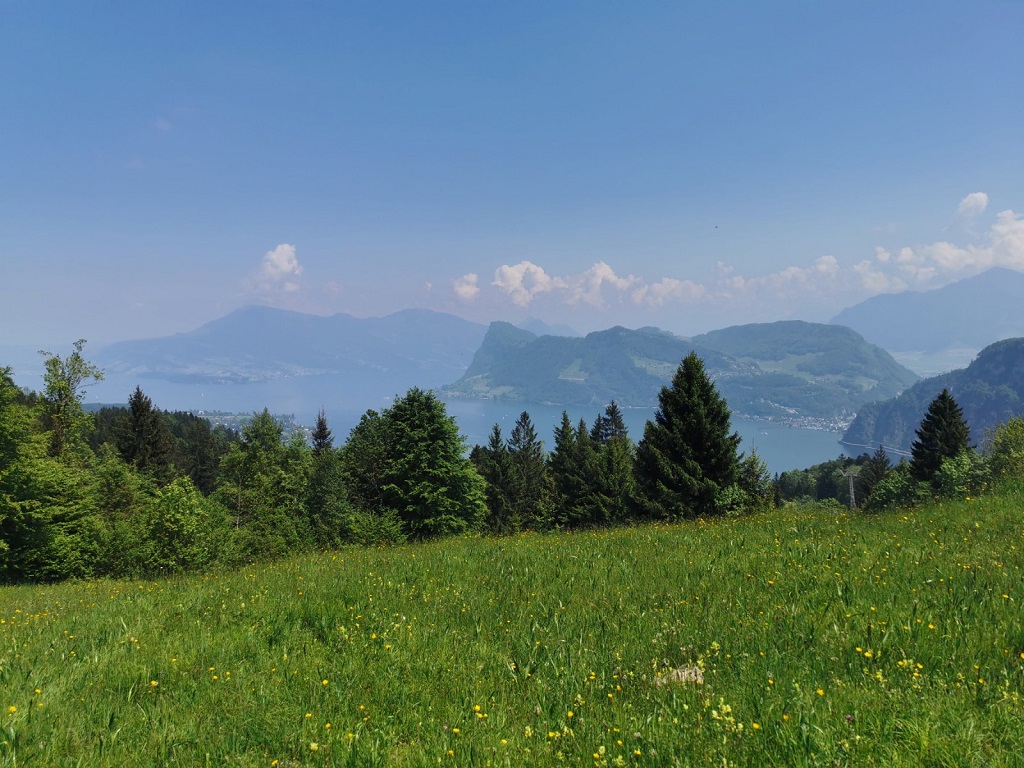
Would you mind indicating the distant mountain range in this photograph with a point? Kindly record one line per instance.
(258, 344)
(990, 391)
(788, 371)
(970, 313)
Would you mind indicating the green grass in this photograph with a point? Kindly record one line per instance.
(824, 639)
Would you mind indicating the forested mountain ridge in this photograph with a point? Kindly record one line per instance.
(788, 371)
(990, 391)
(970, 313)
(258, 343)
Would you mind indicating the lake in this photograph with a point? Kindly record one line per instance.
(782, 448)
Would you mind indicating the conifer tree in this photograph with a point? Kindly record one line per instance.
(943, 434)
(573, 469)
(687, 455)
(144, 439)
(323, 440)
(410, 461)
(492, 462)
(529, 482)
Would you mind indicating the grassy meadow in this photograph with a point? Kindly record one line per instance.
(821, 637)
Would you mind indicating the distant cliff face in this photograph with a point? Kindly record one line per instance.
(990, 391)
(789, 371)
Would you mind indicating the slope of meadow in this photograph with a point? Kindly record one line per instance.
(823, 638)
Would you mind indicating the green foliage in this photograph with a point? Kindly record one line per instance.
(755, 481)
(144, 439)
(687, 455)
(1005, 450)
(182, 529)
(530, 491)
(327, 506)
(262, 487)
(323, 439)
(66, 378)
(492, 463)
(943, 434)
(964, 475)
(573, 468)
(383, 527)
(410, 460)
(897, 489)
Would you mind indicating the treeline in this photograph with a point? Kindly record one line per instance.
(944, 463)
(133, 491)
(138, 491)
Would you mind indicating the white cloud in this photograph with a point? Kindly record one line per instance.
(278, 273)
(595, 287)
(669, 289)
(467, 287)
(821, 287)
(586, 288)
(973, 205)
(523, 281)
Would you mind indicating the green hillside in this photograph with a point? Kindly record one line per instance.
(819, 638)
(785, 371)
(990, 391)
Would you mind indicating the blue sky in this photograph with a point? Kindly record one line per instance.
(685, 165)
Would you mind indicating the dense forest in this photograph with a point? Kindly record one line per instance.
(135, 490)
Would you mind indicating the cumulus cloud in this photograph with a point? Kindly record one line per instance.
(587, 288)
(668, 289)
(467, 287)
(523, 281)
(972, 205)
(279, 272)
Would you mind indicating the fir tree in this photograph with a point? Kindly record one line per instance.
(410, 461)
(529, 482)
(687, 455)
(323, 440)
(492, 462)
(144, 439)
(573, 470)
(943, 434)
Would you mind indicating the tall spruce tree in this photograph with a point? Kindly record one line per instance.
(688, 453)
(492, 462)
(529, 482)
(943, 434)
(144, 439)
(322, 438)
(573, 469)
(327, 507)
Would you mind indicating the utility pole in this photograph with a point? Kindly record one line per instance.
(850, 473)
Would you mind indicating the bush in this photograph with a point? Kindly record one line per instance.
(965, 474)
(896, 489)
(373, 529)
(1006, 450)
